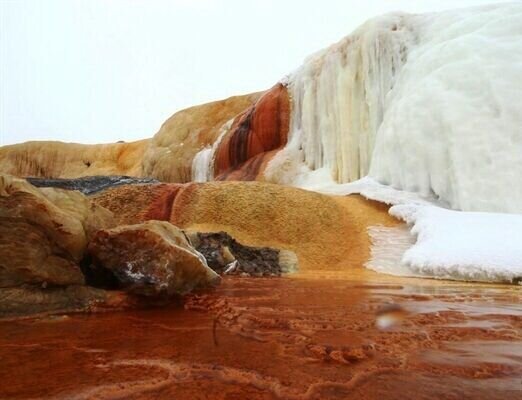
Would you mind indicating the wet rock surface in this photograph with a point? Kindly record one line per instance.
(151, 259)
(33, 300)
(227, 256)
(89, 184)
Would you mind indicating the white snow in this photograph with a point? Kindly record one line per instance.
(473, 246)
(427, 109)
(424, 103)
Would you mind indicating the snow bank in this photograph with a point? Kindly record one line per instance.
(473, 246)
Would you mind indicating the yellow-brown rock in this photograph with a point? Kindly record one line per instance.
(44, 233)
(251, 129)
(324, 231)
(171, 151)
(72, 160)
(153, 258)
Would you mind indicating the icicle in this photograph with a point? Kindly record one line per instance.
(338, 99)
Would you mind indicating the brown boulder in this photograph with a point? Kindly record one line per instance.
(44, 233)
(153, 258)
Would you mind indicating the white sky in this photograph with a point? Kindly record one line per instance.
(106, 70)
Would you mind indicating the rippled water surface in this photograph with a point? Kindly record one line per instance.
(310, 337)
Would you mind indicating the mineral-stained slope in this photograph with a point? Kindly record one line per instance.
(170, 154)
(428, 104)
(325, 232)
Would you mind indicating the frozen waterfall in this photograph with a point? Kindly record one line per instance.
(426, 109)
(424, 103)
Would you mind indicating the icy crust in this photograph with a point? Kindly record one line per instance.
(423, 103)
(472, 246)
(453, 121)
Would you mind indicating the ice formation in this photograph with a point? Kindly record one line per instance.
(203, 161)
(424, 103)
(201, 165)
(474, 246)
(426, 109)
(418, 110)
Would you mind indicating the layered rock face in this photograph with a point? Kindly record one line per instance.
(152, 259)
(243, 151)
(231, 139)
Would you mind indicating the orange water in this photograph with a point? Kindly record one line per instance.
(310, 337)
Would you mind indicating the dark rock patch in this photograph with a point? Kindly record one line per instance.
(89, 184)
(228, 257)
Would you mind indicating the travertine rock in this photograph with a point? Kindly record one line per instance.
(72, 160)
(44, 233)
(171, 151)
(253, 137)
(246, 131)
(324, 231)
(153, 258)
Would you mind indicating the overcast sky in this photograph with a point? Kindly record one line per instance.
(106, 70)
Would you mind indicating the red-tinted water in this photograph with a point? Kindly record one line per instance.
(299, 338)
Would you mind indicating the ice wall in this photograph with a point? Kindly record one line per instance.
(424, 103)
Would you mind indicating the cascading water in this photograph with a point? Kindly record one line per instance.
(201, 165)
(203, 161)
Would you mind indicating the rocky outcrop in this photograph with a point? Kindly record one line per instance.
(171, 151)
(227, 256)
(244, 131)
(152, 259)
(44, 233)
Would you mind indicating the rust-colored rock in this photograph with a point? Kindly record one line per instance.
(171, 151)
(153, 258)
(250, 129)
(256, 132)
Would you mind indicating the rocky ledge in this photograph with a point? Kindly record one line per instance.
(62, 252)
